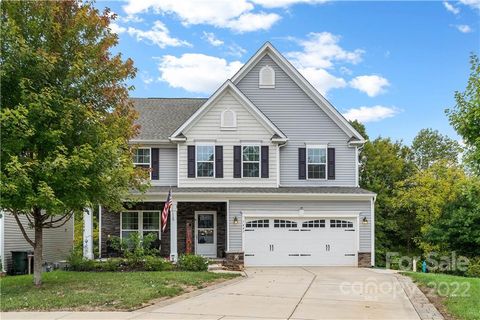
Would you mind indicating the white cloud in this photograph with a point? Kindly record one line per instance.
(196, 72)
(116, 28)
(451, 8)
(322, 80)
(253, 21)
(235, 50)
(463, 28)
(212, 39)
(370, 114)
(372, 85)
(146, 78)
(475, 4)
(320, 50)
(284, 3)
(233, 14)
(158, 35)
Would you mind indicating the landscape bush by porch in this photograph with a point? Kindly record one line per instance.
(147, 263)
(189, 262)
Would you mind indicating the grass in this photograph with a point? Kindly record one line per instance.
(459, 295)
(68, 290)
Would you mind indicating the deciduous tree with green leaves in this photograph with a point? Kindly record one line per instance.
(465, 116)
(430, 146)
(66, 118)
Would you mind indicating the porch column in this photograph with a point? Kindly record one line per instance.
(173, 232)
(88, 233)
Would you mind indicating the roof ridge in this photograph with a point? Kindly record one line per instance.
(171, 98)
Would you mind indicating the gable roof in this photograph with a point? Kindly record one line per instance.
(303, 83)
(159, 117)
(228, 85)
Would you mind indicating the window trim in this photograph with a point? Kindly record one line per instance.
(142, 164)
(222, 120)
(261, 77)
(213, 162)
(140, 223)
(259, 159)
(319, 146)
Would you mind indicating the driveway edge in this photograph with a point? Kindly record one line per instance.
(425, 309)
(159, 303)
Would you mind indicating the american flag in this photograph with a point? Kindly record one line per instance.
(166, 210)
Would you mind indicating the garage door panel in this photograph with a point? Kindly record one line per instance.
(300, 241)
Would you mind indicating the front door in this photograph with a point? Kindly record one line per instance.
(206, 233)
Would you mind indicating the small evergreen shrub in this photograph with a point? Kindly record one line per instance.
(157, 264)
(192, 263)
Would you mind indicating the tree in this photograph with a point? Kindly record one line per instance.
(425, 195)
(360, 127)
(459, 228)
(66, 117)
(465, 116)
(429, 146)
(384, 163)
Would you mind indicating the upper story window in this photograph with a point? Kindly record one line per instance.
(267, 77)
(205, 161)
(317, 162)
(141, 158)
(251, 161)
(228, 119)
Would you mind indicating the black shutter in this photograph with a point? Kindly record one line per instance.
(237, 161)
(264, 155)
(218, 162)
(191, 161)
(302, 163)
(331, 163)
(155, 164)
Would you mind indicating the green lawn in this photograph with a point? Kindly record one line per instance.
(64, 290)
(461, 296)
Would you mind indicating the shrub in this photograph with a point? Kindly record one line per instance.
(110, 265)
(157, 264)
(474, 268)
(192, 263)
(76, 262)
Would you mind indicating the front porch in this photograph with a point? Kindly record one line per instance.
(193, 227)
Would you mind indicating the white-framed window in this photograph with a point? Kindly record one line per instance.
(228, 119)
(341, 224)
(142, 158)
(264, 223)
(205, 160)
(142, 222)
(314, 224)
(316, 162)
(266, 77)
(251, 161)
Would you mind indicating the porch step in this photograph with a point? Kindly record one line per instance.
(216, 261)
(215, 266)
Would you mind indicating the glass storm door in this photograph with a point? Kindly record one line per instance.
(206, 233)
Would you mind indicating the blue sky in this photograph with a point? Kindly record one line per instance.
(395, 65)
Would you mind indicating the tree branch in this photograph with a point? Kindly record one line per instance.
(22, 228)
(67, 217)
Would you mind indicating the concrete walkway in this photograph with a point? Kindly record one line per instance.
(279, 293)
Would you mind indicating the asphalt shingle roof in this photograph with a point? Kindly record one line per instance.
(160, 117)
(281, 190)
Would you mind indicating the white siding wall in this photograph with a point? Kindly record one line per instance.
(302, 121)
(271, 207)
(168, 167)
(57, 242)
(207, 129)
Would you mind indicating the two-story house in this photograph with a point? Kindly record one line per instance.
(265, 170)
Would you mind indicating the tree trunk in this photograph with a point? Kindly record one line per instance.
(37, 256)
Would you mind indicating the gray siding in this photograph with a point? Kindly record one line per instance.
(57, 242)
(168, 167)
(236, 207)
(300, 118)
(207, 130)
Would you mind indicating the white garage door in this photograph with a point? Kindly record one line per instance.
(300, 241)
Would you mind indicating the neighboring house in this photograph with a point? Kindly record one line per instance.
(266, 169)
(57, 242)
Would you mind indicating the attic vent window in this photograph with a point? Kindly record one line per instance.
(228, 120)
(267, 77)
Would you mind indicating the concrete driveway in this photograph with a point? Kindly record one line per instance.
(298, 293)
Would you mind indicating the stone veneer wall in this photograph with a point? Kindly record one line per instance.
(364, 259)
(185, 213)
